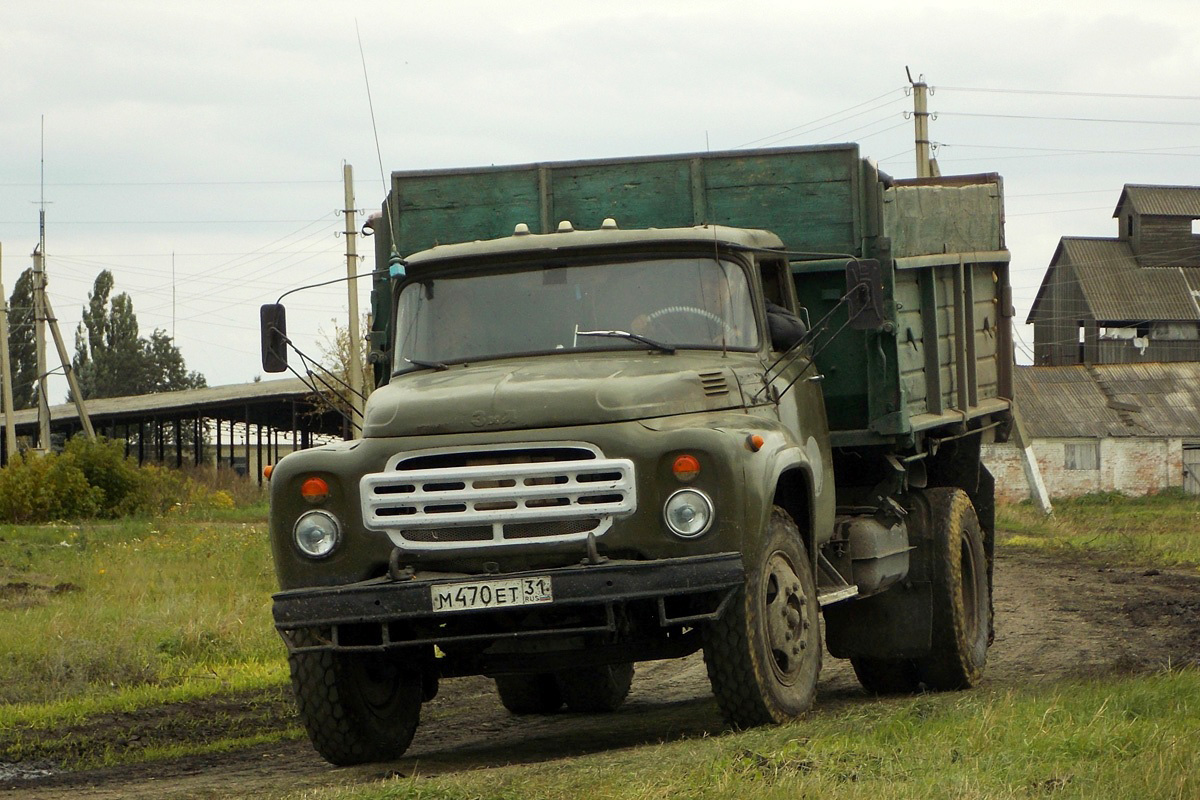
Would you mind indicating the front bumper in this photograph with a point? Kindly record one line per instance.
(384, 614)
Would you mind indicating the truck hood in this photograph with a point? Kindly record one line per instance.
(554, 391)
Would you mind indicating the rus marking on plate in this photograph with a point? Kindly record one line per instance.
(500, 593)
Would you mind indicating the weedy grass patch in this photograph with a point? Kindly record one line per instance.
(1156, 530)
(1129, 737)
(95, 610)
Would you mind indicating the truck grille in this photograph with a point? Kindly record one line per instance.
(504, 496)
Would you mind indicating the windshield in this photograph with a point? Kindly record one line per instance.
(677, 302)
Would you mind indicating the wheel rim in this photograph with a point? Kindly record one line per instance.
(379, 688)
(786, 612)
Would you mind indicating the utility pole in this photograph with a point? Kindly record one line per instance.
(6, 395)
(357, 393)
(926, 165)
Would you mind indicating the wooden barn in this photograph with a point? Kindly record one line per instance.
(1131, 299)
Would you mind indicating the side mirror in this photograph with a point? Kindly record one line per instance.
(864, 291)
(272, 319)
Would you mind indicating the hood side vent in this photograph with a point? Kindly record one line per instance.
(714, 384)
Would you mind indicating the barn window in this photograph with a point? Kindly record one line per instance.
(1081, 455)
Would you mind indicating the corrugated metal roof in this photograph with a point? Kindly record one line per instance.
(1157, 399)
(167, 404)
(1064, 402)
(1116, 288)
(1167, 201)
(1168, 394)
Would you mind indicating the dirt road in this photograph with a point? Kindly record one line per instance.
(1053, 620)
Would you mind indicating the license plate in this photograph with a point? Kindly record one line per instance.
(498, 593)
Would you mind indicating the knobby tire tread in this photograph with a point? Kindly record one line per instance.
(334, 726)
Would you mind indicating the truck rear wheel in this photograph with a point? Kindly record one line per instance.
(764, 653)
(885, 675)
(356, 707)
(529, 694)
(961, 594)
(596, 689)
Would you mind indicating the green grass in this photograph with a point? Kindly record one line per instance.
(1158, 530)
(96, 610)
(100, 618)
(1133, 737)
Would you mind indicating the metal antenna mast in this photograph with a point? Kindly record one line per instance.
(44, 314)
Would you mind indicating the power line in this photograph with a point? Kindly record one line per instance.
(1115, 95)
(161, 221)
(170, 183)
(1080, 150)
(820, 119)
(1068, 119)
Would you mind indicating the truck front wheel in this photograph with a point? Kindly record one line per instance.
(356, 707)
(764, 653)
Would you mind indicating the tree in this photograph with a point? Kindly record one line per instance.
(335, 368)
(22, 349)
(112, 360)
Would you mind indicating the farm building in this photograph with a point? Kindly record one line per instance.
(1132, 428)
(1130, 299)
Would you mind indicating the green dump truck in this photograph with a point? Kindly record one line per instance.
(631, 409)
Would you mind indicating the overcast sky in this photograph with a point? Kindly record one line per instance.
(196, 149)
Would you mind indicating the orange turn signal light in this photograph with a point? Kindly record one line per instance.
(267, 470)
(314, 490)
(755, 442)
(686, 468)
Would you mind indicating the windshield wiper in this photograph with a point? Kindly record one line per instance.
(633, 337)
(436, 365)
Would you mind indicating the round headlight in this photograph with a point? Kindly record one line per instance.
(317, 533)
(688, 513)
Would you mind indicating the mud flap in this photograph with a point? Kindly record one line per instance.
(895, 624)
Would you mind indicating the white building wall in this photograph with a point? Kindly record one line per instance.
(1135, 466)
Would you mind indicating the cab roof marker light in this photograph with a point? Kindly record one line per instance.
(522, 229)
(566, 227)
(609, 224)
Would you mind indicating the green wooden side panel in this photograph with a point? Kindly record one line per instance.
(462, 207)
(807, 195)
(808, 199)
(646, 195)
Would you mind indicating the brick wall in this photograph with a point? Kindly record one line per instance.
(1131, 465)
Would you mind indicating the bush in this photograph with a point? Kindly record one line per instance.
(40, 488)
(104, 463)
(95, 479)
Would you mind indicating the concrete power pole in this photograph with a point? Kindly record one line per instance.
(926, 165)
(357, 393)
